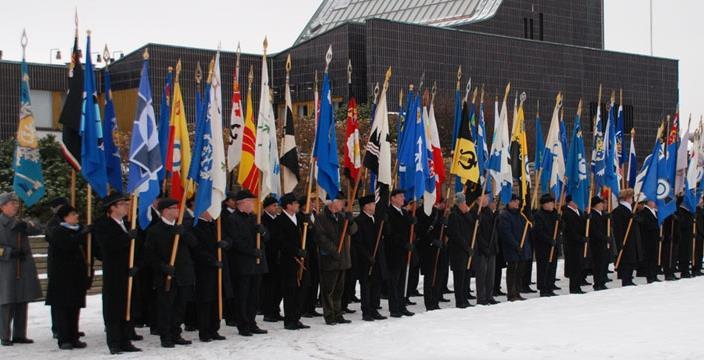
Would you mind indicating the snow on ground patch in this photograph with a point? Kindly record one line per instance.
(657, 321)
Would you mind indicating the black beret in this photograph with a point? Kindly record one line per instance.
(230, 195)
(364, 200)
(244, 194)
(568, 198)
(166, 203)
(64, 211)
(397, 191)
(269, 200)
(546, 198)
(287, 199)
(515, 197)
(596, 200)
(58, 202)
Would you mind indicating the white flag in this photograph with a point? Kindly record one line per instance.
(266, 154)
(219, 169)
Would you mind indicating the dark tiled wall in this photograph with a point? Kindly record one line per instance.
(540, 69)
(566, 22)
(41, 77)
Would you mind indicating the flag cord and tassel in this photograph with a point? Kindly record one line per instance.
(130, 261)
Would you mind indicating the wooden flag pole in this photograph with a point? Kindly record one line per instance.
(473, 242)
(442, 234)
(259, 217)
(557, 222)
(409, 254)
(623, 148)
(130, 264)
(177, 237)
(73, 187)
(589, 218)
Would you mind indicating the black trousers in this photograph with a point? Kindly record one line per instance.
(247, 301)
(271, 292)
(207, 319)
(544, 277)
(293, 303)
(485, 271)
(311, 292)
(350, 287)
(171, 310)
(413, 279)
(526, 273)
(600, 263)
(432, 293)
(370, 287)
(396, 283)
(65, 318)
(684, 256)
(669, 257)
(698, 253)
(513, 279)
(14, 314)
(460, 278)
(332, 285)
(625, 272)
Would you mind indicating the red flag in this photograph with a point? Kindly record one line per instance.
(353, 159)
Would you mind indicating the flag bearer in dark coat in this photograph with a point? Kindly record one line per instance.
(333, 264)
(699, 245)
(112, 236)
(271, 281)
(229, 205)
(685, 220)
(206, 270)
(364, 242)
(650, 237)
(311, 296)
(511, 225)
(287, 231)
(68, 282)
(171, 303)
(396, 241)
(55, 204)
(631, 251)
(487, 246)
(598, 241)
(542, 233)
(248, 262)
(668, 254)
(15, 293)
(460, 226)
(574, 230)
(429, 244)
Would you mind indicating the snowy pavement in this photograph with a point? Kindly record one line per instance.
(657, 321)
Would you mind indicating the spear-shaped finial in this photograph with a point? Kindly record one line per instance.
(24, 40)
(376, 91)
(178, 70)
(106, 55)
(579, 108)
(328, 58)
(387, 78)
(145, 55)
(250, 78)
(288, 64)
(75, 20)
(522, 98)
(199, 73)
(459, 76)
(349, 71)
(434, 91)
(265, 44)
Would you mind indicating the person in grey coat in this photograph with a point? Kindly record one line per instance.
(19, 283)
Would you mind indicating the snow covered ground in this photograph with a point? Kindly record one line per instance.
(658, 321)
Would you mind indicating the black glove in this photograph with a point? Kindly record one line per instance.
(18, 254)
(132, 233)
(20, 227)
(336, 255)
(301, 252)
(443, 221)
(408, 246)
(258, 253)
(385, 218)
(179, 230)
(584, 239)
(224, 244)
(261, 229)
(348, 216)
(371, 260)
(414, 220)
(168, 269)
(437, 243)
(133, 271)
(217, 264)
(306, 218)
(86, 229)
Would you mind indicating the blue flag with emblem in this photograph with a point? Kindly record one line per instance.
(145, 157)
(165, 120)
(482, 147)
(632, 164)
(539, 145)
(112, 153)
(201, 165)
(646, 184)
(665, 190)
(326, 144)
(620, 137)
(598, 153)
(413, 156)
(93, 166)
(576, 171)
(611, 165)
(28, 181)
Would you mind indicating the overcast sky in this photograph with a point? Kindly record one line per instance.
(127, 24)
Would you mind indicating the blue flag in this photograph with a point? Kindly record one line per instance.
(456, 132)
(646, 185)
(482, 147)
(413, 157)
(165, 121)
(576, 171)
(632, 164)
(93, 166)
(372, 175)
(28, 181)
(666, 201)
(202, 162)
(145, 158)
(598, 153)
(611, 165)
(620, 137)
(326, 144)
(112, 158)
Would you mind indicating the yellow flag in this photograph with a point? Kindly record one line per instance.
(179, 153)
(248, 175)
(465, 162)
